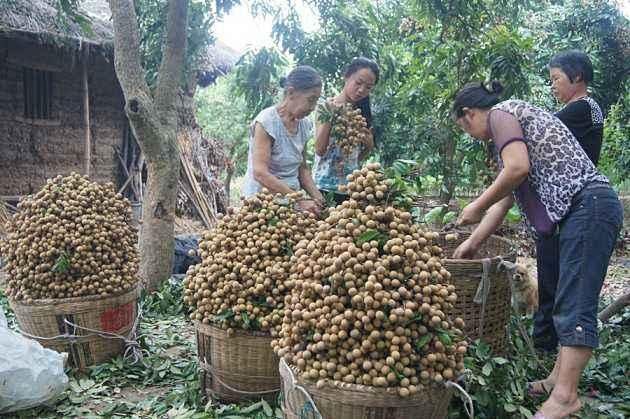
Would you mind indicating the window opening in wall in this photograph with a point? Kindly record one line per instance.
(37, 93)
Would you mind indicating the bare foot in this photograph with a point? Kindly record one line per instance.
(560, 407)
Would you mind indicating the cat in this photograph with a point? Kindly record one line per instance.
(524, 290)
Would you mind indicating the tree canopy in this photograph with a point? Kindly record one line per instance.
(428, 49)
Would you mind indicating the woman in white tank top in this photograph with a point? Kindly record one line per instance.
(277, 141)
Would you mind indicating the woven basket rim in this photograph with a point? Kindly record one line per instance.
(507, 242)
(212, 329)
(494, 259)
(59, 301)
(388, 392)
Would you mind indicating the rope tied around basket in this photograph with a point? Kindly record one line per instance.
(133, 353)
(290, 386)
(214, 375)
(483, 290)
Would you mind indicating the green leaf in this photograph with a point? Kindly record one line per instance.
(500, 361)
(266, 408)
(399, 376)
(424, 339)
(367, 236)
(287, 249)
(513, 215)
(273, 221)
(246, 322)
(487, 369)
(74, 386)
(434, 216)
(86, 383)
(449, 217)
(224, 315)
(509, 407)
(414, 319)
(525, 411)
(62, 264)
(252, 407)
(444, 337)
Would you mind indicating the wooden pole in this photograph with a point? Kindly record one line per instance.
(617, 306)
(86, 111)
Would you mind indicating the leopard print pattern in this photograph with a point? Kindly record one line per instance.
(559, 167)
(597, 117)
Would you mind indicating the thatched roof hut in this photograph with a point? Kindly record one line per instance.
(61, 106)
(40, 20)
(217, 61)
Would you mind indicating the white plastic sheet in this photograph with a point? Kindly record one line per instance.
(30, 374)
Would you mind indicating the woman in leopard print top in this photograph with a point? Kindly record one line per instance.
(559, 190)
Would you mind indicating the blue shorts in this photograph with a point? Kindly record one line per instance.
(587, 236)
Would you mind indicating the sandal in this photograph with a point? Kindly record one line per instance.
(532, 391)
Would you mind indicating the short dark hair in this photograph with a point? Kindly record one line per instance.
(355, 65)
(574, 64)
(302, 77)
(476, 95)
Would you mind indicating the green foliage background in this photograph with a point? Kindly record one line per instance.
(428, 49)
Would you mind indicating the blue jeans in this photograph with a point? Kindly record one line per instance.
(584, 243)
(548, 266)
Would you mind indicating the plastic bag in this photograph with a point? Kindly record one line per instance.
(30, 374)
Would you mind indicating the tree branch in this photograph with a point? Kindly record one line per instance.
(169, 76)
(126, 49)
(615, 307)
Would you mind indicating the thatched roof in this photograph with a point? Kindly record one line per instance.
(217, 61)
(41, 19)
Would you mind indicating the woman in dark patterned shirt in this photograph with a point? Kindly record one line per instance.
(570, 73)
(558, 188)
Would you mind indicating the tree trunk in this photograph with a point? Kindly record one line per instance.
(158, 218)
(153, 119)
(448, 169)
(228, 181)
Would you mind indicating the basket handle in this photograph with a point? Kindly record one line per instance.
(290, 385)
(468, 403)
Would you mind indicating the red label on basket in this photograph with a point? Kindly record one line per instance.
(116, 318)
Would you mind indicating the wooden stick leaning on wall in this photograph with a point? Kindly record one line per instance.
(194, 192)
(4, 217)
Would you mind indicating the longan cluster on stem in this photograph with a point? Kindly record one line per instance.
(371, 299)
(73, 238)
(243, 276)
(350, 128)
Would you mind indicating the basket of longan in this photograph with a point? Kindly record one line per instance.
(368, 329)
(237, 294)
(71, 263)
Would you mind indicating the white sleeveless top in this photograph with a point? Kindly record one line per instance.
(286, 150)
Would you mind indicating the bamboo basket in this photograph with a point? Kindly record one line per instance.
(302, 399)
(239, 367)
(488, 321)
(47, 320)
